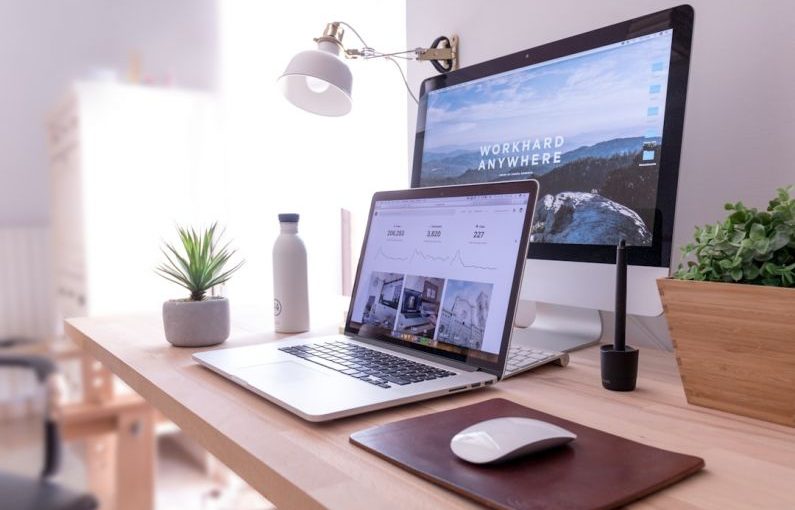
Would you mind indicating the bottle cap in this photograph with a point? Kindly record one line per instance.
(288, 218)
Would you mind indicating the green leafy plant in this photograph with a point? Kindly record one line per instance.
(200, 265)
(750, 246)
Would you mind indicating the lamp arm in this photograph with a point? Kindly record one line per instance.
(443, 58)
(435, 53)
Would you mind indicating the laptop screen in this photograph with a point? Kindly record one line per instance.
(441, 273)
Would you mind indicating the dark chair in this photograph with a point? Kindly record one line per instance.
(25, 493)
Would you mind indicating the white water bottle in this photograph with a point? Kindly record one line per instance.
(290, 286)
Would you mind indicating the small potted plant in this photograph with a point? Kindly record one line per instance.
(731, 312)
(199, 320)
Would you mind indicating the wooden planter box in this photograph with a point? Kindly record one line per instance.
(735, 346)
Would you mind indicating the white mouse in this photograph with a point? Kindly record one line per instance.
(503, 439)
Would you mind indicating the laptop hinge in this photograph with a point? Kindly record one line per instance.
(419, 354)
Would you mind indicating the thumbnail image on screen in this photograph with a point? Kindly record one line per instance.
(587, 126)
(464, 313)
(382, 300)
(419, 309)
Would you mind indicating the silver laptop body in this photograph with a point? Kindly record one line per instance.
(431, 310)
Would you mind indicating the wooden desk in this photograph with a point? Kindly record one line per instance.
(296, 464)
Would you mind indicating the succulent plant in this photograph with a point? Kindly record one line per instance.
(200, 264)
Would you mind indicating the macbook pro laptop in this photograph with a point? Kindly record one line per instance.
(431, 310)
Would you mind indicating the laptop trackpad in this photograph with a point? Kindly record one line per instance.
(282, 371)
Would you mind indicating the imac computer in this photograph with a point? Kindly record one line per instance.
(597, 119)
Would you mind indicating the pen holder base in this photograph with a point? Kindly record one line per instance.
(619, 368)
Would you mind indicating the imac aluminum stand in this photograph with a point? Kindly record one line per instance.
(556, 327)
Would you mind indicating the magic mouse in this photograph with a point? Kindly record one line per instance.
(502, 439)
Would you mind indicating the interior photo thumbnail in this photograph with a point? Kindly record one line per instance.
(382, 303)
(419, 310)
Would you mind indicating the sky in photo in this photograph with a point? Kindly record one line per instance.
(587, 99)
(468, 291)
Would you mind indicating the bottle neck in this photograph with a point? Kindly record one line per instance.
(289, 227)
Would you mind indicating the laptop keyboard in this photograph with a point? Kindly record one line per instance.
(368, 365)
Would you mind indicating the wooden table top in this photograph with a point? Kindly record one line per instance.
(297, 464)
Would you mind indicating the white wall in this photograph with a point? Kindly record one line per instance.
(46, 44)
(740, 114)
(283, 159)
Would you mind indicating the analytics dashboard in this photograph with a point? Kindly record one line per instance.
(439, 271)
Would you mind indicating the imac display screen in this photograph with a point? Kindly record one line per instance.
(595, 118)
(587, 126)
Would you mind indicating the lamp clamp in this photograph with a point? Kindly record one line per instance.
(443, 53)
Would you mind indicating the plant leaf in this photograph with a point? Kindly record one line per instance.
(748, 246)
(199, 265)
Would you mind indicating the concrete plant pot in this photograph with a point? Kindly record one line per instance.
(196, 323)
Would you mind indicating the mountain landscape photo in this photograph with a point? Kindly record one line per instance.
(610, 174)
(588, 128)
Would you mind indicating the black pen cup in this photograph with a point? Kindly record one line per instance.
(619, 368)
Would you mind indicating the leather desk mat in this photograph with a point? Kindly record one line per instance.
(597, 470)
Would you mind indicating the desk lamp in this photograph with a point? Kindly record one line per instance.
(318, 81)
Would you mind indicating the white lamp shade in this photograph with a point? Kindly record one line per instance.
(318, 82)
